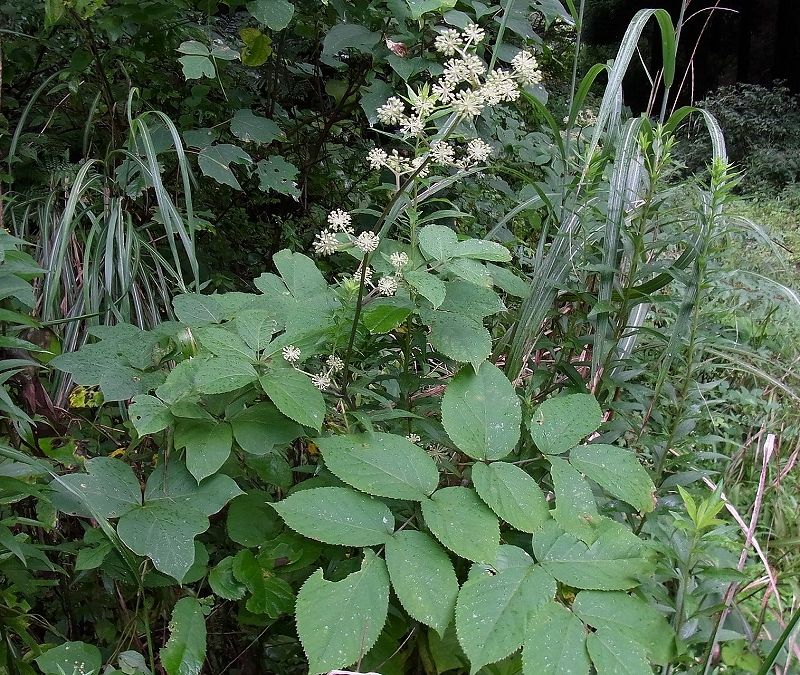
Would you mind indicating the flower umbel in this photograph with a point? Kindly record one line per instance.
(291, 353)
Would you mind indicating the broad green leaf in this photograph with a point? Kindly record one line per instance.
(429, 286)
(616, 654)
(71, 657)
(437, 242)
(275, 14)
(109, 489)
(469, 270)
(481, 412)
(257, 47)
(223, 342)
(423, 577)
(470, 300)
(509, 282)
(560, 423)
(618, 471)
(346, 36)
(256, 327)
(336, 515)
(252, 520)
(208, 445)
(164, 533)
(300, 274)
(481, 249)
(215, 162)
(195, 310)
(270, 594)
(463, 523)
(185, 651)
(381, 464)
(493, 611)
(512, 494)
(295, 396)
(555, 643)
(275, 173)
(222, 374)
(247, 126)
(149, 415)
(576, 510)
(614, 562)
(338, 622)
(628, 616)
(223, 583)
(197, 66)
(461, 338)
(259, 428)
(174, 512)
(385, 314)
(420, 7)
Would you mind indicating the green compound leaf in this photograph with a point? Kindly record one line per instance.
(208, 445)
(215, 162)
(259, 428)
(481, 412)
(149, 414)
(423, 578)
(109, 489)
(555, 643)
(493, 611)
(463, 523)
(615, 654)
(338, 622)
(223, 583)
(222, 374)
(270, 594)
(615, 562)
(71, 657)
(630, 617)
(247, 126)
(185, 651)
(256, 327)
(618, 471)
(275, 14)
(175, 511)
(381, 464)
(275, 173)
(470, 300)
(576, 510)
(336, 515)
(295, 396)
(512, 494)
(437, 242)
(561, 423)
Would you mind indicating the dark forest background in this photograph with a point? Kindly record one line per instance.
(747, 41)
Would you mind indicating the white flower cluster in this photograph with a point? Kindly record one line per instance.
(324, 379)
(339, 234)
(465, 88)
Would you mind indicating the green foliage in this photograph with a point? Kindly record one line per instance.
(461, 439)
